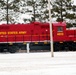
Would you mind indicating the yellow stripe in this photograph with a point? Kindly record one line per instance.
(10, 43)
(61, 42)
(24, 43)
(45, 42)
(36, 42)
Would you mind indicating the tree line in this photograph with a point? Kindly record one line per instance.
(62, 10)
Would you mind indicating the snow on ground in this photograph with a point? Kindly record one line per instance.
(63, 63)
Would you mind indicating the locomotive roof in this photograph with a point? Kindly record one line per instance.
(39, 23)
(59, 24)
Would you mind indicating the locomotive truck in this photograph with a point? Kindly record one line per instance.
(16, 36)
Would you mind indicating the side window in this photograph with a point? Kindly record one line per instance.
(59, 29)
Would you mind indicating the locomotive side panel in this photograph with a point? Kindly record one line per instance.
(15, 36)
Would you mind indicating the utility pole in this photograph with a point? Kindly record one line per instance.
(51, 34)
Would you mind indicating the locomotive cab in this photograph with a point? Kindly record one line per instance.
(59, 35)
(59, 31)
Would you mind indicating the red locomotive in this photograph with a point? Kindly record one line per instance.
(15, 36)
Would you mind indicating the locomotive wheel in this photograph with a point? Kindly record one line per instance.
(12, 49)
(56, 47)
(74, 47)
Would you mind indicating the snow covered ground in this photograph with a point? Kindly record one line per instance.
(63, 63)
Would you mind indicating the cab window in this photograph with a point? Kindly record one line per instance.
(59, 29)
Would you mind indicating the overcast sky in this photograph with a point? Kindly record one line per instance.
(75, 2)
